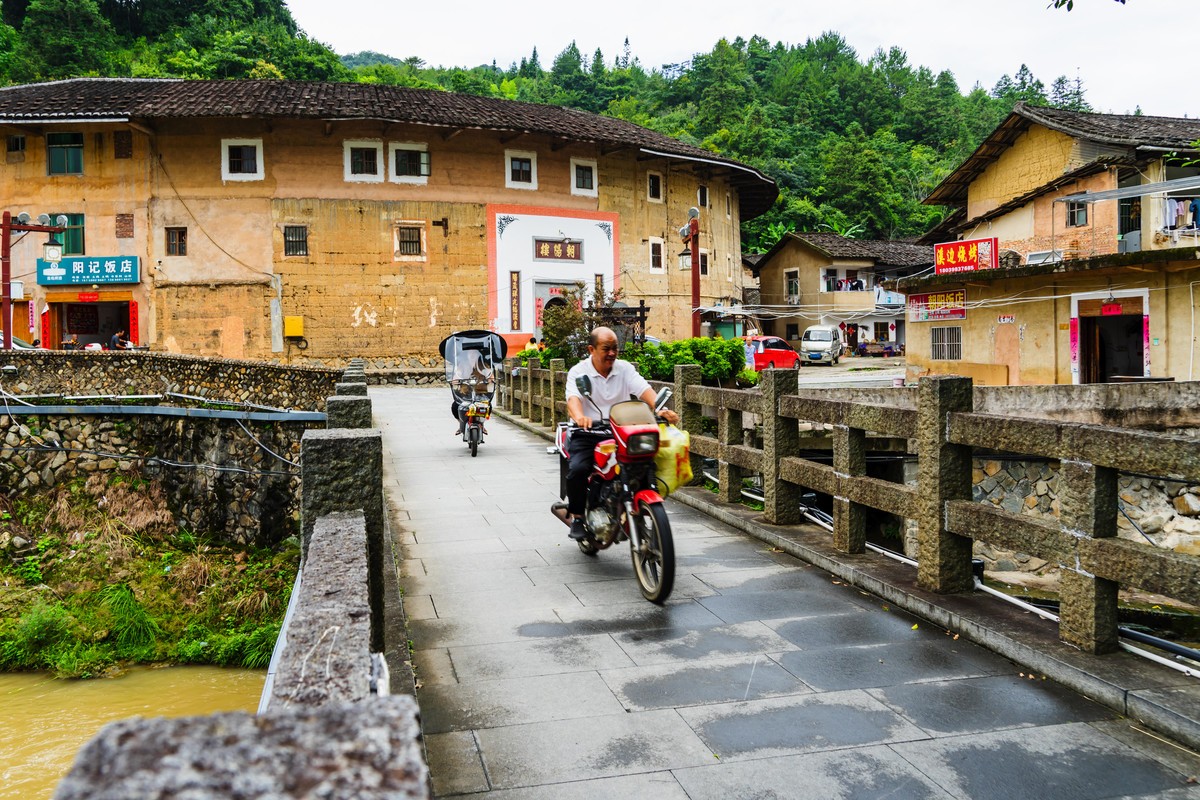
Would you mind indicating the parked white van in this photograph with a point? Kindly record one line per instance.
(822, 344)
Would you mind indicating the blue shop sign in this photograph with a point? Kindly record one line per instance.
(82, 270)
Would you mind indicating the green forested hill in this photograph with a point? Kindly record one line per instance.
(855, 143)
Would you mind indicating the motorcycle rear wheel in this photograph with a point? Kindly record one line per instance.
(654, 561)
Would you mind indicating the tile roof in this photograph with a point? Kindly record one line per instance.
(882, 252)
(1136, 132)
(145, 99)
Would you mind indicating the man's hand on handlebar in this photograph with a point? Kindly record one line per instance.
(670, 416)
(584, 422)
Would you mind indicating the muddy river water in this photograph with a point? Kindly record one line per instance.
(45, 721)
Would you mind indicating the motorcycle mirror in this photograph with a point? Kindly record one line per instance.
(664, 394)
(584, 384)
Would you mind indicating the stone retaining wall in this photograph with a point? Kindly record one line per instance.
(254, 500)
(93, 373)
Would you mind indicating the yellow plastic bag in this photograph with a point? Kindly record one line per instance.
(673, 464)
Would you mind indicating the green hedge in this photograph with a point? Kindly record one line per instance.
(719, 359)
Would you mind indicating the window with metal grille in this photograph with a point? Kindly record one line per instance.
(408, 241)
(656, 255)
(1076, 214)
(177, 241)
(16, 144)
(364, 161)
(945, 344)
(412, 163)
(295, 240)
(72, 235)
(64, 153)
(122, 144)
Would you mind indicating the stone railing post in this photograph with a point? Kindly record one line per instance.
(781, 437)
(342, 470)
(729, 431)
(690, 413)
(507, 402)
(348, 389)
(558, 384)
(348, 411)
(943, 474)
(542, 414)
(527, 385)
(849, 519)
(1088, 605)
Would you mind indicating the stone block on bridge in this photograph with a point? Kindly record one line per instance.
(348, 411)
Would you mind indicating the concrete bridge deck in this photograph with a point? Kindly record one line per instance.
(542, 673)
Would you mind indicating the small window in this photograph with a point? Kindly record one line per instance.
(521, 169)
(654, 187)
(122, 144)
(728, 207)
(791, 281)
(410, 241)
(64, 153)
(656, 255)
(1076, 214)
(362, 161)
(295, 240)
(177, 241)
(703, 262)
(16, 144)
(583, 177)
(72, 235)
(945, 344)
(241, 160)
(410, 163)
(702, 196)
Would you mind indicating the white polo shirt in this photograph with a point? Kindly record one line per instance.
(621, 382)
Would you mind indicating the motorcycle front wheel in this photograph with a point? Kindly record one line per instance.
(654, 561)
(474, 434)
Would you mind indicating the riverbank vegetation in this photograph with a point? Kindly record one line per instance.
(96, 574)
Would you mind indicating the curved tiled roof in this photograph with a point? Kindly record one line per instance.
(123, 99)
(883, 252)
(1153, 134)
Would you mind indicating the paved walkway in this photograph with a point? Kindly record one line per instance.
(542, 673)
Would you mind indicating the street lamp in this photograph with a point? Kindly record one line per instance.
(52, 252)
(690, 234)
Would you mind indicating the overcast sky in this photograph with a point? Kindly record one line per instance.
(1140, 54)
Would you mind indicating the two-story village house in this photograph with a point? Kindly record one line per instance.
(1072, 255)
(827, 279)
(373, 220)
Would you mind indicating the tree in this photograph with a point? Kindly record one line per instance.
(62, 39)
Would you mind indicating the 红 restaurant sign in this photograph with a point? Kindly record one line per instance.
(966, 256)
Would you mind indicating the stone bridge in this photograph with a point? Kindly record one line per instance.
(790, 662)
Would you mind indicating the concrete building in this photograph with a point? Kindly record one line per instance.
(296, 221)
(827, 279)
(1070, 257)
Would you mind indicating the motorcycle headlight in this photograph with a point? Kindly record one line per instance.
(641, 444)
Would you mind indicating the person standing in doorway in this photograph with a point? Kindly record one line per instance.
(118, 341)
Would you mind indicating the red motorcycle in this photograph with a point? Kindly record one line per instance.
(622, 501)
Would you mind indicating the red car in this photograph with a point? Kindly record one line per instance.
(771, 352)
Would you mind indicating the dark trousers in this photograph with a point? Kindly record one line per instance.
(581, 448)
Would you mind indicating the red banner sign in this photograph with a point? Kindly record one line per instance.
(133, 321)
(937, 306)
(89, 297)
(966, 256)
(1111, 310)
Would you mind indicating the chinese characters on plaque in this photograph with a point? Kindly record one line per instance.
(937, 306)
(557, 250)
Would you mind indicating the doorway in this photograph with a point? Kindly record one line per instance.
(1110, 346)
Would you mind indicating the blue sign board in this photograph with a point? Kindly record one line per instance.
(85, 270)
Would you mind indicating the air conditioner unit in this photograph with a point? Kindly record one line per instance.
(1044, 257)
(793, 299)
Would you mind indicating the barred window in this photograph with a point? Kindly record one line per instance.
(363, 161)
(946, 343)
(408, 241)
(295, 240)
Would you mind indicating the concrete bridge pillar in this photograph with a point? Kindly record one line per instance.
(849, 518)
(943, 474)
(1087, 604)
(690, 414)
(781, 437)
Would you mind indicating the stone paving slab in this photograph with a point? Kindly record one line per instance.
(1064, 762)
(973, 705)
(863, 773)
(544, 674)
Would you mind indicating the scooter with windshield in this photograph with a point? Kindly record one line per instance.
(472, 358)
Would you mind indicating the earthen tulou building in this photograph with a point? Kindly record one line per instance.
(320, 221)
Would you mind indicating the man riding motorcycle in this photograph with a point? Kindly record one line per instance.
(613, 381)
